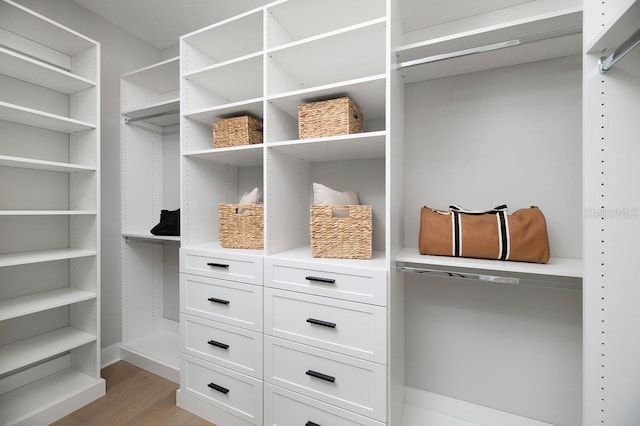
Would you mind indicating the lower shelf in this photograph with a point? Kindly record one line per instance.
(424, 408)
(158, 352)
(50, 398)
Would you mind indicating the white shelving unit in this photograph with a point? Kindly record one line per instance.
(49, 218)
(150, 183)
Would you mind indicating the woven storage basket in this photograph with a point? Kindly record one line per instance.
(341, 236)
(241, 225)
(329, 118)
(235, 131)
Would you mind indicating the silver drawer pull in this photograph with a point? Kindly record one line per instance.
(218, 344)
(320, 376)
(322, 323)
(218, 388)
(320, 279)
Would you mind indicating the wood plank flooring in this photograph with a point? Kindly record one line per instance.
(134, 397)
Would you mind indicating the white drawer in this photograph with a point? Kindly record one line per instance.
(229, 302)
(342, 282)
(355, 329)
(285, 408)
(228, 266)
(340, 380)
(228, 390)
(225, 345)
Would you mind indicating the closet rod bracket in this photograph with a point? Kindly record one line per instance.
(607, 62)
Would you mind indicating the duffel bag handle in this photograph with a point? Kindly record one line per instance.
(457, 208)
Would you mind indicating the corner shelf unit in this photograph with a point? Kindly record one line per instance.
(150, 183)
(49, 218)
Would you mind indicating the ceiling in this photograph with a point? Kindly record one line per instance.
(161, 22)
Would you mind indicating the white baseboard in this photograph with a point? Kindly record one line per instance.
(423, 408)
(110, 355)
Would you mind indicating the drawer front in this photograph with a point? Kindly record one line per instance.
(285, 408)
(341, 282)
(232, 392)
(340, 380)
(355, 329)
(228, 302)
(226, 266)
(231, 347)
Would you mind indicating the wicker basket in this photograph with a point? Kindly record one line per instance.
(241, 226)
(329, 118)
(341, 232)
(235, 131)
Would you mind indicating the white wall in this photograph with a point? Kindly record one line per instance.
(121, 53)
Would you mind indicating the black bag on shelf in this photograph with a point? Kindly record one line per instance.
(169, 223)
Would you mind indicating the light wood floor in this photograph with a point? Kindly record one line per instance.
(134, 397)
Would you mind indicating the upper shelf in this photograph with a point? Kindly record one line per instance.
(623, 25)
(161, 77)
(23, 22)
(43, 120)
(546, 36)
(24, 68)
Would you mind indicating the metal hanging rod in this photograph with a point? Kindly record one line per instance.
(489, 47)
(496, 279)
(129, 239)
(607, 62)
(129, 120)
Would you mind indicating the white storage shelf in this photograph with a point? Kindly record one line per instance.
(50, 102)
(237, 156)
(14, 259)
(18, 405)
(25, 305)
(297, 20)
(43, 120)
(230, 39)
(623, 25)
(53, 166)
(233, 81)
(355, 146)
(551, 35)
(16, 65)
(24, 352)
(291, 67)
(209, 115)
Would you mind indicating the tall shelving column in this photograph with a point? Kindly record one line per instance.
(49, 218)
(612, 213)
(484, 87)
(220, 289)
(150, 183)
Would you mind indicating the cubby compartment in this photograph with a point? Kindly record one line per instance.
(230, 82)
(337, 57)
(223, 42)
(214, 178)
(292, 169)
(367, 93)
(289, 22)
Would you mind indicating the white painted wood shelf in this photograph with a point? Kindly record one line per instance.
(48, 212)
(25, 352)
(28, 69)
(25, 258)
(535, 38)
(18, 405)
(623, 25)
(53, 166)
(25, 305)
(41, 119)
(356, 146)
